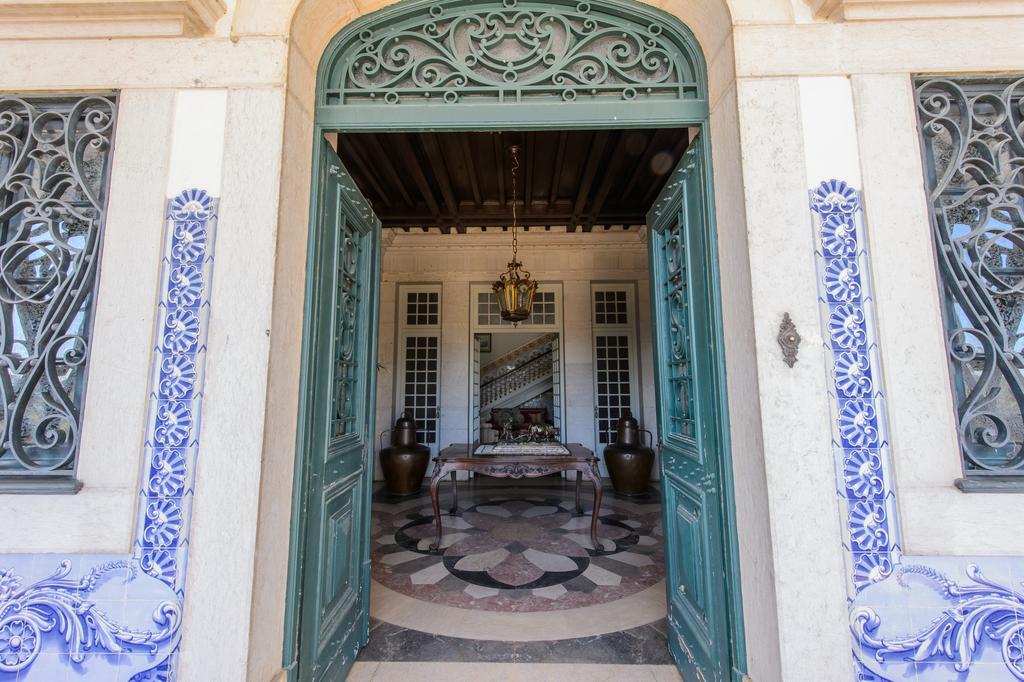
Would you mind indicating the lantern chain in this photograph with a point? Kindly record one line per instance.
(515, 167)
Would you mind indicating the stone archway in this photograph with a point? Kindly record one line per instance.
(314, 23)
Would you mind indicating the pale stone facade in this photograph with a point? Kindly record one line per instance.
(221, 97)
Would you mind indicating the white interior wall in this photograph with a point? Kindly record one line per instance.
(459, 261)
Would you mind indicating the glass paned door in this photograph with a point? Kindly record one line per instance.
(422, 360)
(418, 389)
(556, 385)
(474, 388)
(615, 361)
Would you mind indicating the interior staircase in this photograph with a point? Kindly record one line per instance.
(516, 357)
(517, 376)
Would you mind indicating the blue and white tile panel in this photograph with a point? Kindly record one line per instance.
(912, 618)
(118, 618)
(858, 403)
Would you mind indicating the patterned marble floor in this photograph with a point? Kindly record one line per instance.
(517, 548)
(516, 579)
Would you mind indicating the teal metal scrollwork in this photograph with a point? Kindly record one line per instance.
(509, 51)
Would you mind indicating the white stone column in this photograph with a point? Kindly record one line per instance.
(809, 572)
(223, 541)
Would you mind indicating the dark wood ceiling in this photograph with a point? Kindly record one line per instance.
(581, 179)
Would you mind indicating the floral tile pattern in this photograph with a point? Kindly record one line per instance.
(911, 617)
(118, 618)
(517, 549)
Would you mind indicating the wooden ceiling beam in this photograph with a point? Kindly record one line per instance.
(500, 219)
(499, 164)
(644, 163)
(467, 158)
(610, 175)
(349, 148)
(530, 151)
(599, 179)
(436, 158)
(383, 158)
(597, 146)
(413, 164)
(563, 139)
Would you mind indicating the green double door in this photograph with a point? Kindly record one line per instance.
(339, 400)
(337, 420)
(705, 633)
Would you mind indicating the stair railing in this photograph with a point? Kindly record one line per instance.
(508, 383)
(513, 357)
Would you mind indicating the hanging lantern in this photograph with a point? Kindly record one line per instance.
(514, 288)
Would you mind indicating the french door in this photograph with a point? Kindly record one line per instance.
(615, 359)
(474, 393)
(682, 294)
(418, 366)
(336, 418)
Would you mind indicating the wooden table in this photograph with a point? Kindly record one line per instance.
(460, 457)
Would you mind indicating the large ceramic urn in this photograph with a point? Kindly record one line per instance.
(628, 460)
(405, 461)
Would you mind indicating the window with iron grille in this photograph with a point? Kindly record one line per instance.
(972, 133)
(55, 161)
(419, 348)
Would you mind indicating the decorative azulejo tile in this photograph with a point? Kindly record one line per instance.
(118, 618)
(912, 618)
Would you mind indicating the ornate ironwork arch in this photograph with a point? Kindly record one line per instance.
(466, 61)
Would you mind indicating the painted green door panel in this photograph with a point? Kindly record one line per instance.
(336, 423)
(683, 297)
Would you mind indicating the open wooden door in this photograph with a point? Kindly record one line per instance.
(336, 421)
(689, 412)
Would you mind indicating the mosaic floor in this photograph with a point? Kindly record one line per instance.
(516, 578)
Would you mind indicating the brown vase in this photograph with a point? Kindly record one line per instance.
(628, 460)
(405, 461)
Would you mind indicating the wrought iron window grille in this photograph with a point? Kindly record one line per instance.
(972, 132)
(55, 154)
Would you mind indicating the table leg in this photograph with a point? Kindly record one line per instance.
(579, 479)
(435, 502)
(455, 494)
(595, 478)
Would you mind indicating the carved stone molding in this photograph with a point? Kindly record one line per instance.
(880, 10)
(28, 19)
